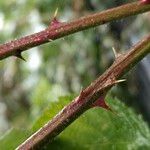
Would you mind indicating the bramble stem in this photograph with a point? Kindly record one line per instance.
(63, 29)
(100, 86)
(88, 96)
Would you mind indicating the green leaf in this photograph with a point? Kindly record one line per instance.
(51, 111)
(96, 129)
(13, 138)
(99, 129)
(42, 95)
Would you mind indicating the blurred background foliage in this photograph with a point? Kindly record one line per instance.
(67, 65)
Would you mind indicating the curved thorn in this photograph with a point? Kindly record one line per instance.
(119, 81)
(20, 56)
(56, 12)
(50, 40)
(115, 52)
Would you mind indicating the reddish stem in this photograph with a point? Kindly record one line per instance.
(63, 29)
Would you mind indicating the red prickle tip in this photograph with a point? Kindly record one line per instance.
(145, 1)
(101, 103)
(55, 23)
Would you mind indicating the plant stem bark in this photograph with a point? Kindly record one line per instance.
(88, 96)
(54, 31)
